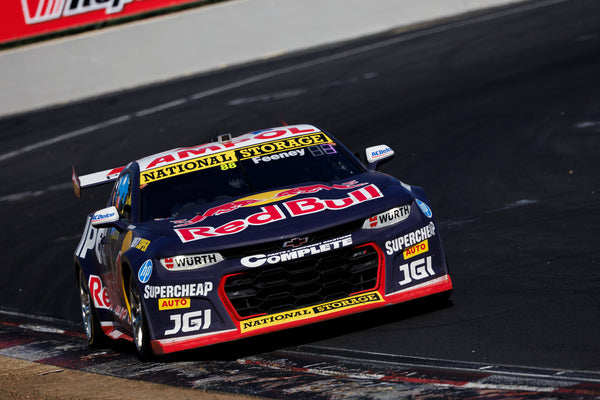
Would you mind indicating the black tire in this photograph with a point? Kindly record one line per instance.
(139, 327)
(91, 323)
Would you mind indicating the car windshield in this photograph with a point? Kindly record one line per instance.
(185, 193)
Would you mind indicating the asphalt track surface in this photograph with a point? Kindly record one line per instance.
(496, 115)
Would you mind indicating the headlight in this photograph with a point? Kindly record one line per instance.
(387, 218)
(193, 261)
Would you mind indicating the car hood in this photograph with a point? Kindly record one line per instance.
(280, 214)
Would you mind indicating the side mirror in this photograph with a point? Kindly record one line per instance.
(107, 217)
(377, 154)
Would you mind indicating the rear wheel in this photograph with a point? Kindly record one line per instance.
(141, 338)
(91, 323)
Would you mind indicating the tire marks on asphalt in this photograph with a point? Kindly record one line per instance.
(305, 372)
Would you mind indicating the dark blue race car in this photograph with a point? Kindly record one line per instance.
(266, 231)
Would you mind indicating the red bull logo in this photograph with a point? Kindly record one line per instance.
(274, 213)
(264, 198)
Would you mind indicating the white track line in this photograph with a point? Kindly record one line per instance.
(16, 197)
(66, 136)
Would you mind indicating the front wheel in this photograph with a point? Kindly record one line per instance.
(91, 323)
(141, 338)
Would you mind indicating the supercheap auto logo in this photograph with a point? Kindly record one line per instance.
(36, 11)
(310, 312)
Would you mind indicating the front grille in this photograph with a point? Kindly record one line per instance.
(303, 282)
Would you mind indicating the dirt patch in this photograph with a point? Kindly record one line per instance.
(21, 380)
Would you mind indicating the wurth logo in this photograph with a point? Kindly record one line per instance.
(36, 11)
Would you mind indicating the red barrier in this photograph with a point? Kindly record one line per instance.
(22, 19)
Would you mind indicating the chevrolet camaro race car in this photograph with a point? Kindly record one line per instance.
(248, 235)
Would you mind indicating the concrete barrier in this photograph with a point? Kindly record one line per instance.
(198, 40)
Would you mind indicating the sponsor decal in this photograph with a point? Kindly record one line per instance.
(193, 152)
(264, 198)
(410, 239)
(182, 263)
(425, 208)
(380, 153)
(350, 302)
(267, 215)
(416, 270)
(140, 244)
(227, 159)
(47, 10)
(273, 213)
(101, 299)
(145, 271)
(88, 239)
(104, 216)
(190, 322)
(279, 156)
(310, 312)
(387, 218)
(73, 7)
(92, 240)
(278, 146)
(311, 205)
(185, 167)
(258, 260)
(201, 289)
(27, 18)
(268, 134)
(98, 292)
(376, 153)
(417, 249)
(174, 303)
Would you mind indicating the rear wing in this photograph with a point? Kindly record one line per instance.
(97, 178)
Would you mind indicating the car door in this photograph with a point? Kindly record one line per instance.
(117, 241)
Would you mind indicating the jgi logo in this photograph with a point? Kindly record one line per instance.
(416, 270)
(190, 322)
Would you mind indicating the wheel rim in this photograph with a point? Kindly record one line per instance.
(137, 320)
(86, 307)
